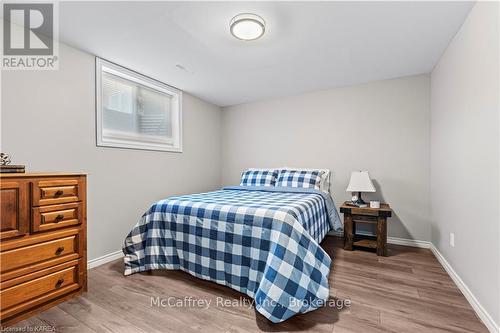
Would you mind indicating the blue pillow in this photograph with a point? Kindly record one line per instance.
(299, 178)
(259, 178)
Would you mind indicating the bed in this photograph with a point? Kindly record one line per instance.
(260, 241)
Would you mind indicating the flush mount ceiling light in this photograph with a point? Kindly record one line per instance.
(247, 26)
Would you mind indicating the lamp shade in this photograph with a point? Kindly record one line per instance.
(360, 182)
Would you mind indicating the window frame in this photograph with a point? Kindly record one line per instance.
(127, 141)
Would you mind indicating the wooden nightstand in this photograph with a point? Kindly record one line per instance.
(377, 216)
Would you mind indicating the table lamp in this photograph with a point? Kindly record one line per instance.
(360, 182)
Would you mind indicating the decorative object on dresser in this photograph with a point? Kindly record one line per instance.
(360, 182)
(6, 167)
(375, 216)
(4, 159)
(12, 169)
(43, 249)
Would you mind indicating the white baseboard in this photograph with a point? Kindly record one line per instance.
(392, 240)
(409, 242)
(104, 259)
(478, 308)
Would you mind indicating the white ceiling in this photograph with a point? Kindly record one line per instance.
(307, 46)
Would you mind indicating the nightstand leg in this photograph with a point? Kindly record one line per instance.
(382, 236)
(348, 232)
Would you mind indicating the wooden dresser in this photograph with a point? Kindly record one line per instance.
(43, 248)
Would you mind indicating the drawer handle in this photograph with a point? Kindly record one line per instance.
(58, 193)
(59, 218)
(59, 250)
(59, 283)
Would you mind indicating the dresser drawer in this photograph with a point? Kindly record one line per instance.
(33, 254)
(18, 295)
(51, 192)
(56, 216)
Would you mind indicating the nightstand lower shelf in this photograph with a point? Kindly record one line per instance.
(366, 241)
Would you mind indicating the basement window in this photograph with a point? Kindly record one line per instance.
(135, 111)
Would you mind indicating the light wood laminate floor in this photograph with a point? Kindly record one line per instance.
(408, 291)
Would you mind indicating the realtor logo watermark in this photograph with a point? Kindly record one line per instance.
(30, 36)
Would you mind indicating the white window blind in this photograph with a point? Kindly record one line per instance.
(134, 111)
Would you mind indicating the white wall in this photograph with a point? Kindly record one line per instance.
(465, 154)
(48, 124)
(382, 127)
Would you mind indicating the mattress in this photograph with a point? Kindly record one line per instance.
(263, 242)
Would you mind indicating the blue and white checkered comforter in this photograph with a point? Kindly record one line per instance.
(263, 242)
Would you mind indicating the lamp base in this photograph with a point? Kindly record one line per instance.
(360, 200)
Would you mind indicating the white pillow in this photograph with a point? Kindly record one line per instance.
(325, 177)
